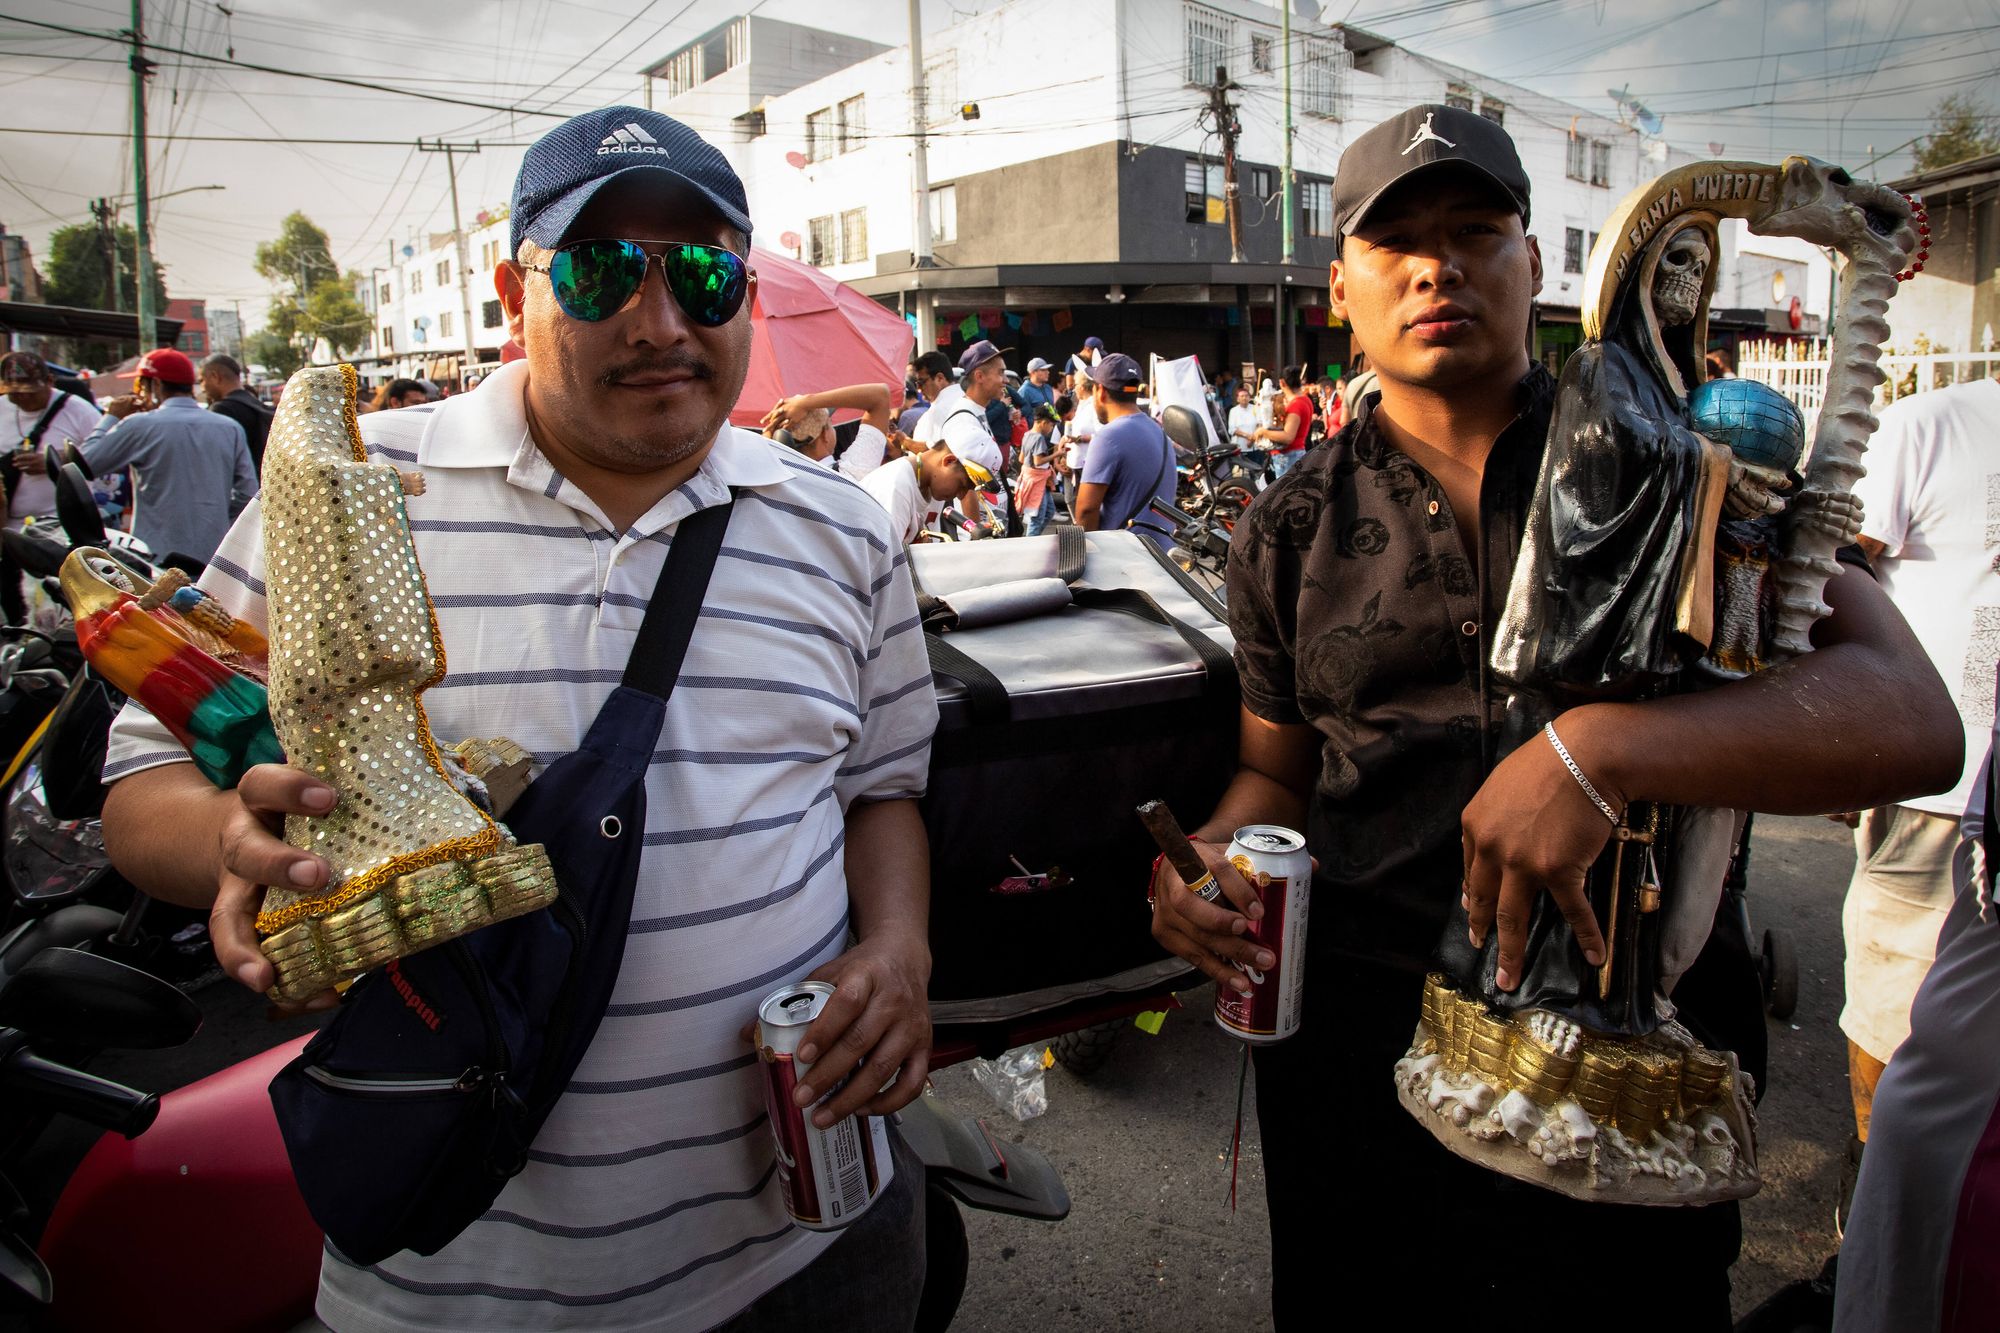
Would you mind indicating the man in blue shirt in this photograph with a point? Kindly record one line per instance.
(194, 468)
(1035, 393)
(1130, 461)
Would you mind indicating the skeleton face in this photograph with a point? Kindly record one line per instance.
(1678, 283)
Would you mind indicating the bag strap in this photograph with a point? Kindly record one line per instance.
(42, 426)
(668, 625)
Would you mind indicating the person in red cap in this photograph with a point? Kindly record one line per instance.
(194, 468)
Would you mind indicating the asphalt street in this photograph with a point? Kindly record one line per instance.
(1143, 1144)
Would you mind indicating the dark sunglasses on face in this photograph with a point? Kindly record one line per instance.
(594, 280)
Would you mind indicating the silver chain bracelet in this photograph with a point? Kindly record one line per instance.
(1562, 753)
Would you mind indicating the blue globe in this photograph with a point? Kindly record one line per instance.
(1759, 424)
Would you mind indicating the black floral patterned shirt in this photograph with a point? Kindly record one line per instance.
(1357, 609)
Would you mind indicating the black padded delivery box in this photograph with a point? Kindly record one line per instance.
(1077, 676)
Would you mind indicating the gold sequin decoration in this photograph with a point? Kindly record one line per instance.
(354, 642)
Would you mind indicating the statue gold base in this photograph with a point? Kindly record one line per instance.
(1653, 1120)
(415, 911)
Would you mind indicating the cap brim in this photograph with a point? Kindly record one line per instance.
(551, 225)
(1356, 215)
(998, 352)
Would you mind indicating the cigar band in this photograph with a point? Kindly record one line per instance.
(1206, 888)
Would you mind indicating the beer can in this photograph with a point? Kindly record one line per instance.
(829, 1176)
(1275, 863)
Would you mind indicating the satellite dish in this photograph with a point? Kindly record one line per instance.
(423, 321)
(482, 217)
(409, 250)
(790, 240)
(796, 158)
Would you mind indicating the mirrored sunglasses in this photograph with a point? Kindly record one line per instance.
(594, 280)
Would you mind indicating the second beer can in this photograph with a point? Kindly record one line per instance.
(829, 1176)
(1275, 862)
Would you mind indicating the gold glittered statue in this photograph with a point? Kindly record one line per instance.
(353, 643)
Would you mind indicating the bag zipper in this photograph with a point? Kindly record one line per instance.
(469, 1081)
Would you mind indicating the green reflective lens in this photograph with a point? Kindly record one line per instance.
(593, 280)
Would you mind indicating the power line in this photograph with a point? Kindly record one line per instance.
(298, 74)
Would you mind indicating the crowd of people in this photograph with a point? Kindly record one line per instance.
(1362, 590)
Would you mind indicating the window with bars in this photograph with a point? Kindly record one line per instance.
(1577, 166)
(1493, 109)
(388, 338)
(1263, 52)
(1572, 249)
(823, 241)
(850, 123)
(382, 297)
(444, 325)
(819, 134)
(1205, 191)
(854, 236)
(489, 315)
(1458, 95)
(941, 88)
(1209, 37)
(416, 283)
(444, 272)
(944, 215)
(1600, 162)
(1316, 206)
(1323, 78)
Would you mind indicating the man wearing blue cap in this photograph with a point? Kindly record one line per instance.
(1131, 461)
(781, 816)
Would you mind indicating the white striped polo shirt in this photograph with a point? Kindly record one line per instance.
(649, 1201)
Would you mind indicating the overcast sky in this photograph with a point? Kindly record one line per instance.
(1842, 79)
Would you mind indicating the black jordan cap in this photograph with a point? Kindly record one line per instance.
(1420, 139)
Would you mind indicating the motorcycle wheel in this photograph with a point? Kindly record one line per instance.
(1230, 502)
(947, 1258)
(1084, 1053)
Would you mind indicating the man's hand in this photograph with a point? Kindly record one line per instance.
(253, 855)
(1531, 830)
(785, 411)
(1210, 935)
(879, 1019)
(30, 462)
(1755, 491)
(124, 405)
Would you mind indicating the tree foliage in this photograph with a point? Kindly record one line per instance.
(274, 352)
(78, 272)
(1958, 133)
(311, 299)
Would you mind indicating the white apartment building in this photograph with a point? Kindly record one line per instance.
(417, 315)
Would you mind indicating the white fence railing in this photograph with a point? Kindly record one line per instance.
(1797, 369)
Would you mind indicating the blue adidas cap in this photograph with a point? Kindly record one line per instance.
(571, 163)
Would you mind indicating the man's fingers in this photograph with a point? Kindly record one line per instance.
(851, 991)
(232, 930)
(1510, 917)
(836, 1062)
(868, 1082)
(1481, 891)
(909, 1085)
(252, 852)
(1573, 898)
(280, 789)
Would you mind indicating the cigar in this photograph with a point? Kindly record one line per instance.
(1180, 853)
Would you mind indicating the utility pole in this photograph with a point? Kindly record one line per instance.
(1223, 113)
(149, 328)
(458, 246)
(107, 240)
(1281, 325)
(920, 180)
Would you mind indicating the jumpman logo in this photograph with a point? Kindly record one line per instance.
(1424, 131)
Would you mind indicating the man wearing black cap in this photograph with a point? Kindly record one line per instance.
(781, 817)
(1361, 590)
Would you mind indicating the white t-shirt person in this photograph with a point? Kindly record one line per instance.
(35, 497)
(897, 489)
(864, 455)
(1932, 499)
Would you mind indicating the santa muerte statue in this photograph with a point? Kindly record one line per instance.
(1672, 544)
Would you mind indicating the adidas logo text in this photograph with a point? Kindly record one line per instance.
(631, 139)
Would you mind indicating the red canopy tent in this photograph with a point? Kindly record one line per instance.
(809, 332)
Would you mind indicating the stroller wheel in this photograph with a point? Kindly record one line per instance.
(1779, 964)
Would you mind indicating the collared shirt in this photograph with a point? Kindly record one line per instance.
(194, 473)
(649, 1201)
(1243, 422)
(1357, 610)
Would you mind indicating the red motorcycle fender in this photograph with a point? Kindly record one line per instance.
(196, 1224)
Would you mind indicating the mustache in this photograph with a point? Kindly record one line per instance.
(680, 359)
